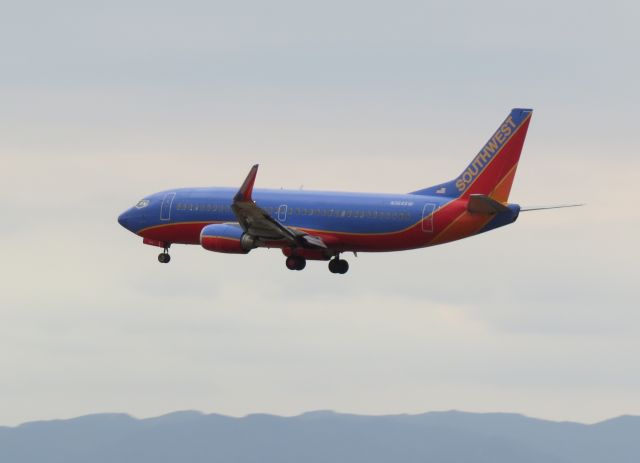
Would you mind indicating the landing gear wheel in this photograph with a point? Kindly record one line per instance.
(164, 258)
(296, 263)
(338, 266)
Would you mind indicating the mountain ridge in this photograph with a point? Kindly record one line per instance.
(324, 413)
(321, 435)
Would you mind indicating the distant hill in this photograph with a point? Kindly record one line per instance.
(321, 437)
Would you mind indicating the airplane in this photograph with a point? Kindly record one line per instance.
(322, 225)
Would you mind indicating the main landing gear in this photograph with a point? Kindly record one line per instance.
(296, 262)
(337, 265)
(164, 257)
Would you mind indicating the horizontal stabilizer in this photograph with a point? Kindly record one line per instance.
(483, 204)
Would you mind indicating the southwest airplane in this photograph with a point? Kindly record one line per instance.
(320, 225)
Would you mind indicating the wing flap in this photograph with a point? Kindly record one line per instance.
(314, 241)
(255, 221)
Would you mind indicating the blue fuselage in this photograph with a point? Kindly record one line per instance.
(376, 221)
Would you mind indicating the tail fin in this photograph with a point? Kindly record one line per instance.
(492, 171)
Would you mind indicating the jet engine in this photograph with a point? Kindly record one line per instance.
(226, 238)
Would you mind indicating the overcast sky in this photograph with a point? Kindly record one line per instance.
(102, 103)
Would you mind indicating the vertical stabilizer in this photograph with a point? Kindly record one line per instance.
(492, 170)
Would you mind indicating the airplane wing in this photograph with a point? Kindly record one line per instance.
(258, 223)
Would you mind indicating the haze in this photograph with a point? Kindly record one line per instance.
(105, 103)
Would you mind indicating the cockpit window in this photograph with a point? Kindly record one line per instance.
(142, 203)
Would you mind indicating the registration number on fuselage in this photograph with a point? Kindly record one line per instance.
(402, 203)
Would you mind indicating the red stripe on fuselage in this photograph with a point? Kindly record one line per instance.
(409, 238)
(177, 232)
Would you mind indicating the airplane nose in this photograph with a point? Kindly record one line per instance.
(125, 219)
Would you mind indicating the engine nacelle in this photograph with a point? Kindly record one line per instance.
(226, 238)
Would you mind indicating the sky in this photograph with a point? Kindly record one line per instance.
(103, 103)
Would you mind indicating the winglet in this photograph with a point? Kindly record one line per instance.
(244, 193)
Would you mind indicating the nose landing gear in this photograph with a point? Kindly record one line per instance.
(164, 257)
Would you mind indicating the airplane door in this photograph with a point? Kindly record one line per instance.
(282, 213)
(427, 217)
(165, 209)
